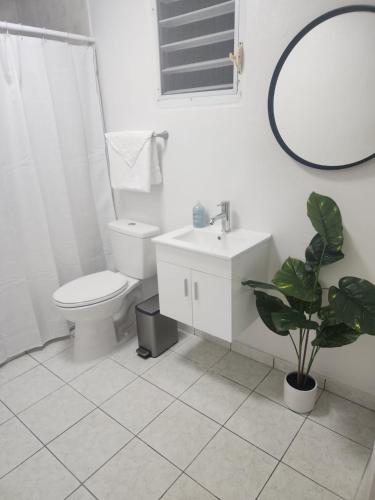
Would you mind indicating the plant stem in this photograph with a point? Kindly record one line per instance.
(314, 351)
(299, 355)
(305, 352)
(294, 344)
(312, 358)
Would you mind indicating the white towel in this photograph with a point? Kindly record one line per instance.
(133, 158)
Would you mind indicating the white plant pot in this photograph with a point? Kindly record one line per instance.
(298, 400)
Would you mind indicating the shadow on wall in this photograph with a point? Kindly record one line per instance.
(142, 207)
(60, 15)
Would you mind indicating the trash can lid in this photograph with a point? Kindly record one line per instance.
(150, 306)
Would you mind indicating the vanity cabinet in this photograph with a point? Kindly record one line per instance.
(199, 278)
(196, 298)
(174, 283)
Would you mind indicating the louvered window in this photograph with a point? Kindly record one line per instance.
(195, 40)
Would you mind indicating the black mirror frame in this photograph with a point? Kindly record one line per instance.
(276, 73)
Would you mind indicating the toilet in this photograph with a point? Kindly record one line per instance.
(95, 301)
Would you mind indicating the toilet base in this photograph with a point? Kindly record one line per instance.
(94, 339)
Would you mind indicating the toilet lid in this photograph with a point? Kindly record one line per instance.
(91, 289)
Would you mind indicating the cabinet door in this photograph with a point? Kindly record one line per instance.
(212, 305)
(174, 284)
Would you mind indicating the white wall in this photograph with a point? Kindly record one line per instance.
(228, 152)
(61, 15)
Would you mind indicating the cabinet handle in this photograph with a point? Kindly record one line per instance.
(186, 290)
(195, 290)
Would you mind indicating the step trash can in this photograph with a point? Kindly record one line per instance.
(156, 333)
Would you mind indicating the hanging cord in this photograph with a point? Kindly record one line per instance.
(104, 126)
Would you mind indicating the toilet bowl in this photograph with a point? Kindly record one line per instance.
(93, 302)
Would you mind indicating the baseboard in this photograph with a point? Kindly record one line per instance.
(255, 354)
(211, 338)
(329, 384)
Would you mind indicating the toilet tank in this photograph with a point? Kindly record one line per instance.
(133, 251)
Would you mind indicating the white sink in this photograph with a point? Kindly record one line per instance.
(211, 241)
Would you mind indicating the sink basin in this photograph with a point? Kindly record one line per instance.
(211, 241)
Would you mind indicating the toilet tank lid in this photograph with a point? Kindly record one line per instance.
(134, 228)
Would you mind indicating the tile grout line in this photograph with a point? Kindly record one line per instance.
(308, 415)
(95, 408)
(176, 398)
(77, 489)
(315, 482)
(196, 482)
(322, 377)
(20, 374)
(205, 371)
(369, 448)
(268, 480)
(53, 355)
(208, 370)
(221, 427)
(44, 446)
(68, 383)
(170, 486)
(135, 435)
(65, 383)
(290, 445)
(362, 477)
(350, 400)
(147, 369)
(105, 463)
(280, 460)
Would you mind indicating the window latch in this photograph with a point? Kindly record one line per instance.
(237, 57)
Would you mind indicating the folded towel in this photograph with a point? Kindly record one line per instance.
(133, 158)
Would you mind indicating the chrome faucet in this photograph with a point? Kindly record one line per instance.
(224, 216)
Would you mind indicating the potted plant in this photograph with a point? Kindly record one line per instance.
(311, 315)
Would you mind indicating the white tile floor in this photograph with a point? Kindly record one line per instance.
(197, 423)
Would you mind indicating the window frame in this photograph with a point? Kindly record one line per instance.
(207, 96)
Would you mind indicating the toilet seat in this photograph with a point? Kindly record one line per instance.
(91, 289)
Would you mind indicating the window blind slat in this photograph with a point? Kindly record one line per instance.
(214, 63)
(199, 89)
(195, 45)
(199, 15)
(199, 41)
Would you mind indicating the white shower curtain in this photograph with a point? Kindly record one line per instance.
(55, 198)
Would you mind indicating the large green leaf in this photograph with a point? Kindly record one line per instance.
(309, 307)
(290, 319)
(293, 279)
(258, 284)
(266, 305)
(354, 304)
(335, 336)
(327, 315)
(325, 216)
(318, 253)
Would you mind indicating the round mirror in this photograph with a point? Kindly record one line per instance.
(322, 96)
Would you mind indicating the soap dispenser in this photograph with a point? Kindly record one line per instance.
(199, 215)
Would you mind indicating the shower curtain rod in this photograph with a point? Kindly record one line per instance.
(43, 32)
